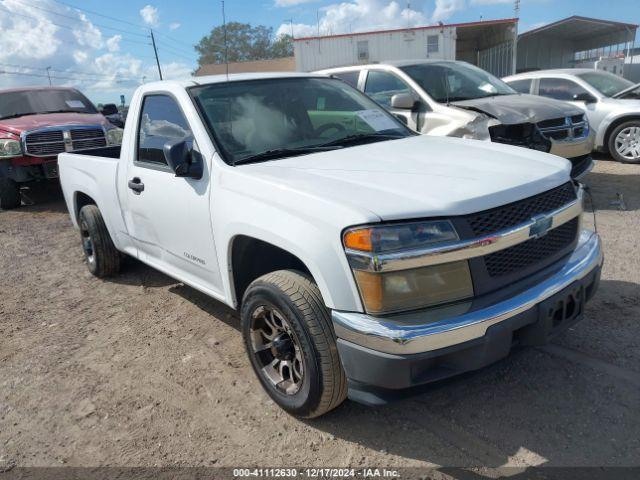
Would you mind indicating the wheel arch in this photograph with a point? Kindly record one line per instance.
(251, 257)
(615, 123)
(81, 199)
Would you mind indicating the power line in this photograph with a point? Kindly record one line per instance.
(76, 72)
(162, 42)
(49, 21)
(76, 19)
(93, 12)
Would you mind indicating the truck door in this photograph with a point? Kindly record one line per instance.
(167, 216)
(381, 86)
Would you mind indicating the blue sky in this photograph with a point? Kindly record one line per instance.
(104, 47)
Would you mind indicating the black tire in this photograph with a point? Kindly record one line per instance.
(611, 142)
(103, 260)
(297, 297)
(9, 194)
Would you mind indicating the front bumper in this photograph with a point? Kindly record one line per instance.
(401, 351)
(573, 147)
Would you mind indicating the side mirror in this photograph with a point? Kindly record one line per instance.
(109, 109)
(584, 97)
(403, 101)
(183, 159)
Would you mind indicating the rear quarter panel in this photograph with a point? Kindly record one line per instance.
(95, 177)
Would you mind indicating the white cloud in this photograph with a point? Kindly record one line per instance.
(362, 15)
(446, 8)
(150, 15)
(174, 25)
(291, 3)
(81, 56)
(490, 2)
(113, 43)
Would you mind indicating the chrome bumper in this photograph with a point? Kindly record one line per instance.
(436, 328)
(574, 147)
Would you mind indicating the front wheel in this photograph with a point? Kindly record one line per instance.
(291, 344)
(624, 142)
(9, 194)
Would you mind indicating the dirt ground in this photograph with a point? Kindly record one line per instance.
(141, 370)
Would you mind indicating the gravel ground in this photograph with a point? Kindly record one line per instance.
(141, 370)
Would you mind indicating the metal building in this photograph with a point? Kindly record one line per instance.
(488, 44)
(574, 42)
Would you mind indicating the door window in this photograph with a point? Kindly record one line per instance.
(350, 77)
(161, 122)
(559, 88)
(381, 86)
(521, 86)
(363, 50)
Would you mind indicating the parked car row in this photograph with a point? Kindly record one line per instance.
(452, 98)
(364, 258)
(611, 103)
(36, 124)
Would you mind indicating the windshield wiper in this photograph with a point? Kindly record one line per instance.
(58, 111)
(283, 152)
(358, 137)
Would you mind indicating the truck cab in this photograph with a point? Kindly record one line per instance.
(37, 124)
(363, 258)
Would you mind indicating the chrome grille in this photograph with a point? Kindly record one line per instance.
(89, 143)
(83, 133)
(532, 251)
(564, 128)
(51, 142)
(491, 221)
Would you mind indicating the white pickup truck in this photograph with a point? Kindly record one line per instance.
(364, 259)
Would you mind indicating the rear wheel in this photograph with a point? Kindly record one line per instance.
(290, 341)
(624, 142)
(103, 260)
(9, 194)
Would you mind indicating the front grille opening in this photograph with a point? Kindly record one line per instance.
(532, 251)
(507, 216)
(521, 135)
(553, 123)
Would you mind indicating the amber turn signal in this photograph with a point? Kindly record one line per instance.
(359, 239)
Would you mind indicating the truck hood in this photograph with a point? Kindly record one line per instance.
(32, 122)
(521, 108)
(417, 177)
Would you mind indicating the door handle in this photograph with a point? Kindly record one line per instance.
(136, 185)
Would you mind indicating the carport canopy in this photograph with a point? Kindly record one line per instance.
(560, 44)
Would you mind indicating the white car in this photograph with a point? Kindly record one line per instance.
(363, 258)
(457, 99)
(611, 103)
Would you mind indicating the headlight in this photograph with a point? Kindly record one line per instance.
(400, 290)
(387, 238)
(10, 148)
(114, 136)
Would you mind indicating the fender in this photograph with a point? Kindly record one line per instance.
(609, 120)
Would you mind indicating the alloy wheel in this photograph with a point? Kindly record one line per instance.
(276, 349)
(627, 143)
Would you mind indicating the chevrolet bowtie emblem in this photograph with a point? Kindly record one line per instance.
(541, 225)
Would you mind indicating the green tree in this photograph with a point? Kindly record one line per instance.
(244, 43)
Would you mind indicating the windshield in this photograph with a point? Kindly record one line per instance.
(606, 83)
(456, 81)
(290, 116)
(30, 102)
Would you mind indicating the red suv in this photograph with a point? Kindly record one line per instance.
(38, 123)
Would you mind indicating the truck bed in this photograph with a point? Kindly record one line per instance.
(94, 174)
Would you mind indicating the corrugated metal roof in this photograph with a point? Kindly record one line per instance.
(578, 28)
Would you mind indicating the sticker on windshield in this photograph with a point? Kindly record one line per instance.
(377, 120)
(74, 104)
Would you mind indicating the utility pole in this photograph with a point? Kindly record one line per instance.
(226, 46)
(49, 75)
(155, 50)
